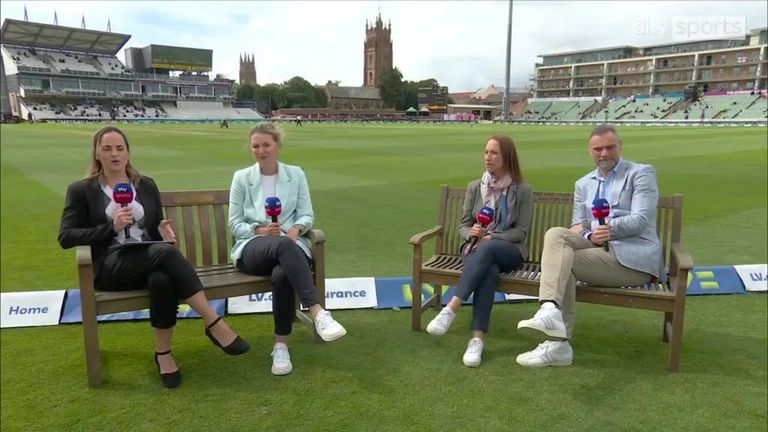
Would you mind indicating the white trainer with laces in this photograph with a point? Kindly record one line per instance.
(474, 353)
(547, 324)
(327, 327)
(442, 322)
(281, 360)
(548, 353)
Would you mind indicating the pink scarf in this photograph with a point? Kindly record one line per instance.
(491, 188)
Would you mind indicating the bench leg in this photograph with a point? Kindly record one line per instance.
(416, 302)
(438, 304)
(665, 325)
(676, 338)
(91, 338)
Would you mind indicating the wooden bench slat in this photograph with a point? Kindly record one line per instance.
(222, 246)
(205, 234)
(189, 234)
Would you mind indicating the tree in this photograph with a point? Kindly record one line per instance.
(300, 93)
(321, 97)
(431, 82)
(246, 92)
(409, 96)
(390, 87)
(269, 93)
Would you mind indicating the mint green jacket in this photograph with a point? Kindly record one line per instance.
(246, 204)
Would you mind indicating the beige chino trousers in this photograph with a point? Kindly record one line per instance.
(568, 257)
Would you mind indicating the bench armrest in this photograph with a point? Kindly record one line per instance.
(421, 237)
(680, 263)
(316, 236)
(680, 260)
(85, 272)
(83, 254)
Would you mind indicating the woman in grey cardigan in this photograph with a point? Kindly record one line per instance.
(487, 251)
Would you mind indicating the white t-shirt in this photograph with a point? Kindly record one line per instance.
(269, 189)
(269, 185)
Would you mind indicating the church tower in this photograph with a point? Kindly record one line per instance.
(377, 54)
(247, 70)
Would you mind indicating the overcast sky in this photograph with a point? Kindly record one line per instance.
(460, 43)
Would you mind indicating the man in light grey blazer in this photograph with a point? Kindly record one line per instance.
(632, 256)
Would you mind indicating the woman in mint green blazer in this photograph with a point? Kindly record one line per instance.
(277, 249)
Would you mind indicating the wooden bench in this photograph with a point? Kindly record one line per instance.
(552, 210)
(200, 223)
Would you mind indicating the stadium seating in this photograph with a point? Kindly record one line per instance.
(73, 63)
(45, 111)
(758, 110)
(112, 66)
(198, 110)
(715, 107)
(26, 61)
(536, 110)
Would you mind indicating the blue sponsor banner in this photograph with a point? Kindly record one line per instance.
(714, 280)
(72, 312)
(396, 292)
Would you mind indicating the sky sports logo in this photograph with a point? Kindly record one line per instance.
(691, 28)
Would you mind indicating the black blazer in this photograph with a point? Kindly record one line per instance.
(83, 221)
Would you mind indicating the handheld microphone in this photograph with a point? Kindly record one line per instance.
(600, 210)
(123, 195)
(273, 207)
(484, 218)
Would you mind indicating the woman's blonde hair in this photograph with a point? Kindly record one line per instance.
(270, 129)
(96, 170)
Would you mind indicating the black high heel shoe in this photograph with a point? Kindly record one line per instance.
(237, 347)
(170, 379)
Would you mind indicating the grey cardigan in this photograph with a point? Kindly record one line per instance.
(520, 216)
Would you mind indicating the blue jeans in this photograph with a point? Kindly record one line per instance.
(481, 271)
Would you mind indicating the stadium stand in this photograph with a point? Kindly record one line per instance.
(73, 63)
(25, 60)
(757, 110)
(200, 110)
(79, 70)
(44, 111)
(716, 107)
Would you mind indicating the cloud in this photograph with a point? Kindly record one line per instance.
(460, 43)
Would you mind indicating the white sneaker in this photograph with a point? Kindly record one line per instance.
(547, 324)
(474, 353)
(548, 353)
(442, 322)
(281, 360)
(327, 327)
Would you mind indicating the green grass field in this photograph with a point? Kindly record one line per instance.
(373, 186)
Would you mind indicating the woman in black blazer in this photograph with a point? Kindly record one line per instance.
(92, 217)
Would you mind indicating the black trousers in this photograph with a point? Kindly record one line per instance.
(159, 268)
(288, 265)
